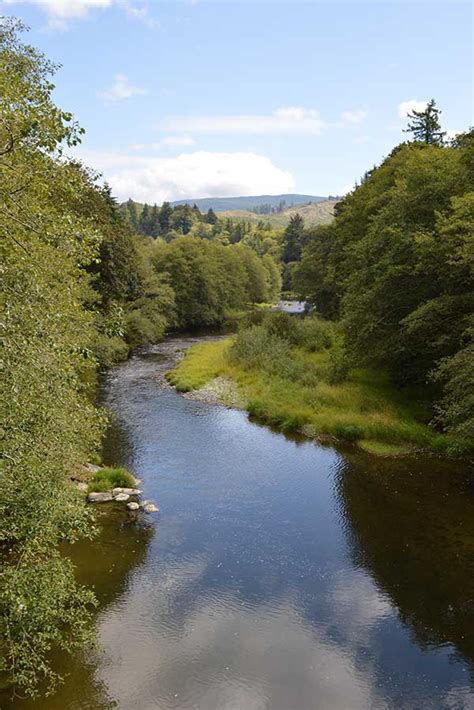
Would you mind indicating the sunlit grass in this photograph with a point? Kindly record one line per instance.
(365, 408)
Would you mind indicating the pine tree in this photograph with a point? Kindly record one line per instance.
(144, 222)
(165, 213)
(292, 239)
(154, 224)
(211, 217)
(425, 125)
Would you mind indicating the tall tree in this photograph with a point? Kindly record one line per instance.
(292, 239)
(144, 222)
(154, 223)
(133, 213)
(425, 125)
(165, 215)
(211, 217)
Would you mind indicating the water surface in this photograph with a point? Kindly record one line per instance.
(279, 574)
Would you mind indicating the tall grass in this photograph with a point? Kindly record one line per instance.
(286, 373)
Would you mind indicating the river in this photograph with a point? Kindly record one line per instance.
(278, 575)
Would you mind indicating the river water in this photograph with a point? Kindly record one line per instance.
(279, 574)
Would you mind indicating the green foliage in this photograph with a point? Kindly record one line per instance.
(396, 267)
(209, 279)
(292, 239)
(46, 339)
(348, 432)
(109, 478)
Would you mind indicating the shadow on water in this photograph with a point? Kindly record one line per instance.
(410, 524)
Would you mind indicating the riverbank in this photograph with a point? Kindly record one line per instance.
(365, 408)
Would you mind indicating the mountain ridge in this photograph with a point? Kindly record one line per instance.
(249, 202)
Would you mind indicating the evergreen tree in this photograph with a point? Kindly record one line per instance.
(211, 217)
(154, 224)
(164, 217)
(144, 223)
(292, 239)
(425, 125)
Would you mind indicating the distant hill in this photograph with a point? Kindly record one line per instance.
(313, 214)
(223, 204)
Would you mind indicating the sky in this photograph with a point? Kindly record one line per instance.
(183, 99)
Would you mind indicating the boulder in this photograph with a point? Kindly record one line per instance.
(122, 497)
(133, 505)
(150, 507)
(128, 491)
(104, 497)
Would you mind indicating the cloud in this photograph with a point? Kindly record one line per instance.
(355, 117)
(197, 174)
(285, 120)
(60, 12)
(120, 89)
(407, 107)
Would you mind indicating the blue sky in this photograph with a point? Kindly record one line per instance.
(196, 98)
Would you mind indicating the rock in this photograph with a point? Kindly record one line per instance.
(104, 497)
(122, 497)
(150, 507)
(92, 468)
(133, 505)
(128, 491)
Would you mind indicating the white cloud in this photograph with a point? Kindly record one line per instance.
(197, 174)
(60, 12)
(285, 120)
(407, 107)
(355, 117)
(120, 89)
(451, 134)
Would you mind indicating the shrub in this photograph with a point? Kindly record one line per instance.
(256, 348)
(110, 350)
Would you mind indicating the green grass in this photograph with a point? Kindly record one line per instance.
(365, 408)
(108, 478)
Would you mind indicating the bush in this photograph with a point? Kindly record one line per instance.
(108, 478)
(315, 334)
(255, 348)
(110, 350)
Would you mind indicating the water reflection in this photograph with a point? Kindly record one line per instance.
(410, 523)
(281, 576)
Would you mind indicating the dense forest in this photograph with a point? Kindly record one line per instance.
(81, 288)
(395, 268)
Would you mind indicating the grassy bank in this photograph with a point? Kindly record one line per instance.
(296, 391)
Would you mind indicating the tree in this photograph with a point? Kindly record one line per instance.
(425, 124)
(49, 426)
(211, 217)
(165, 215)
(292, 239)
(154, 222)
(133, 213)
(144, 221)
